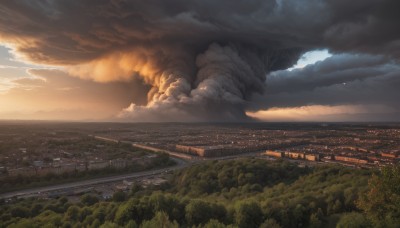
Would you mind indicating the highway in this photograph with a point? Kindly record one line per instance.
(180, 164)
(154, 149)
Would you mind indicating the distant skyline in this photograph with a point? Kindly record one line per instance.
(196, 61)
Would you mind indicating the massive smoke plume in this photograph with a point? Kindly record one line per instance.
(203, 60)
(217, 87)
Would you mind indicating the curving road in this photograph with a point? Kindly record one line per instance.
(180, 164)
(182, 160)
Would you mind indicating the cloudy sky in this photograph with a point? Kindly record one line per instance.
(200, 60)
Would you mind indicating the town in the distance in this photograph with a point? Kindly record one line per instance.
(66, 174)
(45, 150)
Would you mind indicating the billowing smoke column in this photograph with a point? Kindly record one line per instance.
(216, 88)
(201, 59)
(191, 85)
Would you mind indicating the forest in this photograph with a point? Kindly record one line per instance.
(241, 193)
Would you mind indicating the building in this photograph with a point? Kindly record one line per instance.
(312, 157)
(209, 151)
(390, 154)
(277, 154)
(351, 159)
(293, 155)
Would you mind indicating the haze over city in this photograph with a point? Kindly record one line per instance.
(204, 61)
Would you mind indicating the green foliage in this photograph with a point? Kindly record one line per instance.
(213, 223)
(160, 220)
(89, 199)
(270, 223)
(109, 225)
(135, 188)
(134, 208)
(131, 224)
(170, 204)
(315, 221)
(21, 212)
(248, 215)
(200, 212)
(382, 202)
(353, 220)
(119, 196)
(72, 213)
(240, 193)
(231, 178)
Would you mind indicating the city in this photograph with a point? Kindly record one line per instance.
(55, 149)
(199, 114)
(364, 145)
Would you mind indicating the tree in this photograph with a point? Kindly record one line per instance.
(19, 211)
(299, 214)
(119, 196)
(315, 222)
(100, 214)
(353, 219)
(89, 199)
(213, 223)
(168, 204)
(124, 213)
(63, 200)
(36, 209)
(197, 212)
(200, 212)
(96, 223)
(131, 224)
(84, 212)
(135, 188)
(270, 223)
(50, 219)
(138, 210)
(160, 220)
(382, 202)
(72, 213)
(109, 225)
(248, 215)
(22, 223)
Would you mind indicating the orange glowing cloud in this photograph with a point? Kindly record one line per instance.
(316, 112)
(118, 66)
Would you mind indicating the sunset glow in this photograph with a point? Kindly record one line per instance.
(84, 62)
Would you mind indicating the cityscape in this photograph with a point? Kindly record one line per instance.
(199, 114)
(364, 145)
(46, 149)
(71, 166)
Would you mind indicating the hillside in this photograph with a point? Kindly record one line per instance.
(240, 193)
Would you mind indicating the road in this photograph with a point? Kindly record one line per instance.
(180, 164)
(154, 149)
(182, 160)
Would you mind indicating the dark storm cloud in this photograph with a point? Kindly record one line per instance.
(337, 69)
(203, 59)
(338, 80)
(364, 26)
(72, 31)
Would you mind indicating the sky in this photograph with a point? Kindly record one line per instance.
(195, 61)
